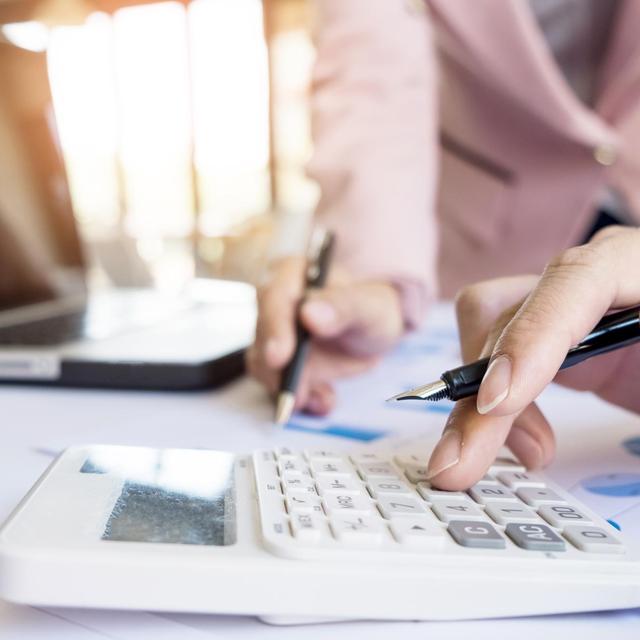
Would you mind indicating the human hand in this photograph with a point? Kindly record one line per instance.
(527, 325)
(351, 322)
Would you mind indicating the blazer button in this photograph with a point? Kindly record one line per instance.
(605, 154)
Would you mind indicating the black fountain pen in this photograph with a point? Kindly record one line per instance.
(613, 332)
(318, 259)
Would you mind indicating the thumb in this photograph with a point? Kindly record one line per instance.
(370, 309)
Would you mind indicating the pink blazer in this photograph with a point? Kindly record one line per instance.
(448, 146)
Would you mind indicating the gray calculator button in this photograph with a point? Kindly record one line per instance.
(457, 510)
(505, 512)
(476, 534)
(593, 539)
(534, 537)
(534, 496)
(560, 515)
(484, 493)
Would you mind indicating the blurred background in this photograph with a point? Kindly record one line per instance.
(176, 133)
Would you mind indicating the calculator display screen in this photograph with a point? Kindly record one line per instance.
(174, 496)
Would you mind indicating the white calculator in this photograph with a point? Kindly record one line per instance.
(313, 535)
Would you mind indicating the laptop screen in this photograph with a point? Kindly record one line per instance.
(40, 253)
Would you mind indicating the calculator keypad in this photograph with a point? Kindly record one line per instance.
(323, 499)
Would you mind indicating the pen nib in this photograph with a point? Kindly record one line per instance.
(433, 391)
(284, 407)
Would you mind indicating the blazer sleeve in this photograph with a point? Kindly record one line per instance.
(374, 112)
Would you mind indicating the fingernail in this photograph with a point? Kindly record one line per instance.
(495, 385)
(320, 312)
(446, 454)
(526, 447)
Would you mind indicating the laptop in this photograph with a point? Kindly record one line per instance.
(54, 331)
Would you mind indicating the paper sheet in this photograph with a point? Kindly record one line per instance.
(598, 460)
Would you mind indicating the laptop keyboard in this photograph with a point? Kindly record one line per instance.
(46, 332)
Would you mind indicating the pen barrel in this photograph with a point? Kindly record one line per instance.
(293, 370)
(464, 381)
(613, 332)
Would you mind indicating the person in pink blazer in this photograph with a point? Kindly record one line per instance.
(454, 143)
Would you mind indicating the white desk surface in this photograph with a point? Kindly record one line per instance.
(39, 422)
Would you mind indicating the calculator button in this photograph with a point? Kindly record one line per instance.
(340, 503)
(402, 506)
(298, 483)
(560, 515)
(294, 475)
(285, 451)
(489, 479)
(370, 470)
(300, 503)
(476, 534)
(484, 493)
(457, 510)
(323, 454)
(505, 512)
(416, 473)
(592, 539)
(366, 457)
(292, 466)
(534, 537)
(410, 460)
(308, 527)
(505, 463)
(417, 533)
(357, 530)
(331, 468)
(518, 479)
(432, 495)
(339, 484)
(536, 496)
(382, 487)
